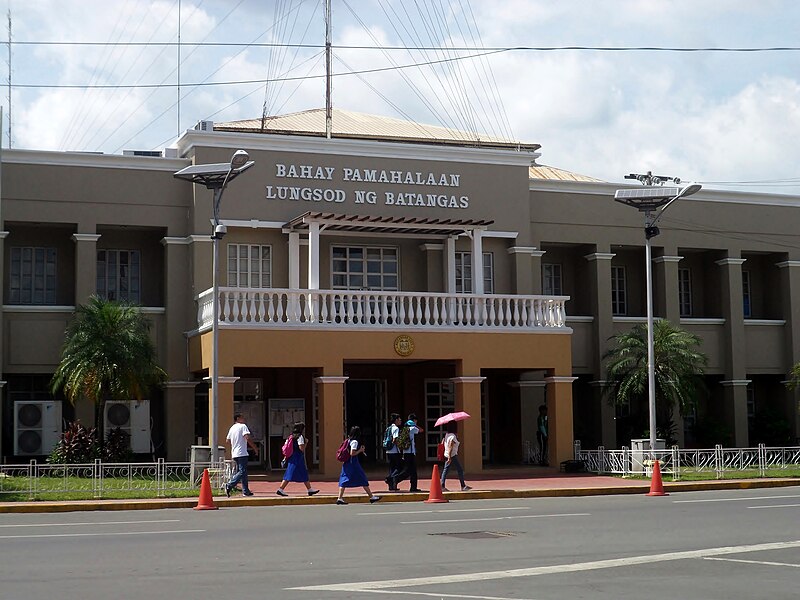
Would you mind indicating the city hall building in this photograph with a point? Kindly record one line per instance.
(391, 268)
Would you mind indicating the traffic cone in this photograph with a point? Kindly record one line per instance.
(656, 487)
(205, 502)
(435, 496)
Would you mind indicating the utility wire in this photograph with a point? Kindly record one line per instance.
(433, 48)
(247, 81)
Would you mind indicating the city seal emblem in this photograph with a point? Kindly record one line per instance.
(404, 345)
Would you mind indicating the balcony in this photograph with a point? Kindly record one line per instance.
(346, 309)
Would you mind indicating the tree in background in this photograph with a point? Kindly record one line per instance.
(107, 355)
(679, 369)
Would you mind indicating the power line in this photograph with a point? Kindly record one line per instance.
(249, 81)
(434, 48)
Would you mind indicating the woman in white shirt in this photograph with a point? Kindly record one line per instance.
(296, 464)
(451, 445)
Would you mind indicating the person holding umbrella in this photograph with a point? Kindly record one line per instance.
(451, 444)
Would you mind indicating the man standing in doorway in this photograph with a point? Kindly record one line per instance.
(410, 455)
(542, 435)
(239, 438)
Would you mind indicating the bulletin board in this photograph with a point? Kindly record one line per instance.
(284, 413)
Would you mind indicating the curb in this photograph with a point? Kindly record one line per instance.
(163, 503)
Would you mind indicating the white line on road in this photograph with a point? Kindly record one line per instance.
(731, 499)
(95, 534)
(87, 523)
(431, 511)
(776, 506)
(754, 562)
(494, 518)
(548, 570)
(440, 595)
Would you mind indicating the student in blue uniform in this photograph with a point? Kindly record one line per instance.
(352, 472)
(296, 464)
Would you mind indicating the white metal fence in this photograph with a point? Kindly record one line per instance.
(761, 460)
(99, 479)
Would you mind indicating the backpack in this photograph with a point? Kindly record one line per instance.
(388, 440)
(343, 453)
(288, 447)
(404, 439)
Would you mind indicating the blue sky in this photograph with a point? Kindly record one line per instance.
(711, 117)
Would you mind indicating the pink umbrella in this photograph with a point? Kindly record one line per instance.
(453, 416)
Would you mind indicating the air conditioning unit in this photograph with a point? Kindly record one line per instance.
(204, 126)
(130, 416)
(37, 427)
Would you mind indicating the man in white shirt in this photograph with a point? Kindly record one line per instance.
(396, 472)
(410, 455)
(239, 438)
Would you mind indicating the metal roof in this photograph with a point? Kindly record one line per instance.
(385, 224)
(556, 174)
(349, 124)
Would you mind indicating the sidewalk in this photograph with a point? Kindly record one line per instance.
(517, 482)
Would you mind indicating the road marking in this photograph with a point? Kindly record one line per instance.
(754, 562)
(87, 523)
(384, 585)
(731, 499)
(372, 513)
(494, 518)
(440, 595)
(96, 534)
(776, 506)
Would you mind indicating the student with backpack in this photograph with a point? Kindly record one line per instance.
(294, 450)
(393, 453)
(352, 474)
(406, 443)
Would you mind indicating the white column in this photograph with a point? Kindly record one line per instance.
(477, 261)
(294, 260)
(450, 258)
(313, 256)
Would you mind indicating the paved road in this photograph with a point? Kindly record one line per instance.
(729, 545)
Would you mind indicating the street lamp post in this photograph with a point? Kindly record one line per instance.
(652, 201)
(216, 176)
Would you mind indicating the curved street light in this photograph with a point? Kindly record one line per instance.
(216, 177)
(652, 201)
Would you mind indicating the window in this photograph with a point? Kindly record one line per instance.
(118, 275)
(747, 306)
(358, 268)
(249, 266)
(464, 273)
(551, 280)
(33, 276)
(685, 292)
(440, 399)
(619, 302)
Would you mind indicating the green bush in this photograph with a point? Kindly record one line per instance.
(117, 448)
(77, 445)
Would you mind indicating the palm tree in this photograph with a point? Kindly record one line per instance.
(107, 355)
(678, 369)
(794, 377)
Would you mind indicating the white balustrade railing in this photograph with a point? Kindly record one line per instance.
(258, 307)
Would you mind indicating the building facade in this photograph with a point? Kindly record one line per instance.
(363, 276)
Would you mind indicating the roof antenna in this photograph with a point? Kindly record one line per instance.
(328, 108)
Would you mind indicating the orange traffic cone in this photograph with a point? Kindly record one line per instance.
(205, 502)
(435, 496)
(656, 487)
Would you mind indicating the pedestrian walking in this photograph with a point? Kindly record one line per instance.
(393, 453)
(296, 469)
(239, 438)
(451, 445)
(352, 474)
(410, 455)
(542, 434)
